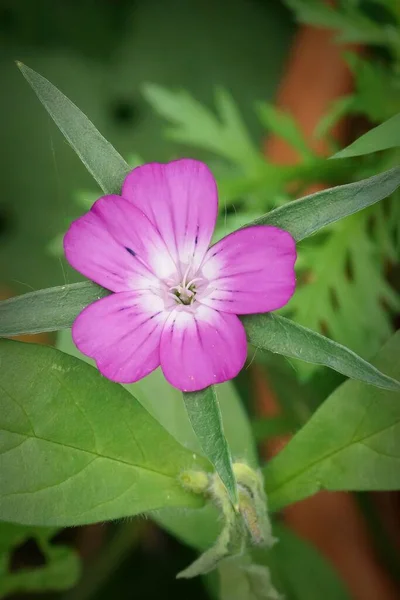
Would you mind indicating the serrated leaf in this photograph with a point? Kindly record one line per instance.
(352, 442)
(49, 309)
(205, 417)
(100, 158)
(384, 136)
(304, 217)
(377, 93)
(284, 126)
(77, 448)
(283, 336)
(340, 275)
(196, 125)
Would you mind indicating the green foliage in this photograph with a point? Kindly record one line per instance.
(308, 215)
(47, 310)
(341, 275)
(60, 571)
(240, 579)
(354, 25)
(384, 136)
(195, 125)
(99, 157)
(377, 88)
(282, 336)
(294, 563)
(283, 125)
(68, 459)
(205, 417)
(351, 442)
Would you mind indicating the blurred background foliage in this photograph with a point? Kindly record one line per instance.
(170, 78)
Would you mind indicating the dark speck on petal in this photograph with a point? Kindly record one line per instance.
(130, 251)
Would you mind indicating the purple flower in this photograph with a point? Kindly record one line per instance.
(176, 299)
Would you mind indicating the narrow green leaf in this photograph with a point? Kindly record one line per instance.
(100, 158)
(283, 336)
(49, 309)
(384, 136)
(205, 417)
(352, 442)
(77, 448)
(304, 217)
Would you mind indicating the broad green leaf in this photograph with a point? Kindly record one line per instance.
(384, 136)
(283, 336)
(50, 309)
(199, 527)
(171, 412)
(304, 217)
(77, 448)
(265, 428)
(100, 158)
(205, 417)
(299, 570)
(352, 442)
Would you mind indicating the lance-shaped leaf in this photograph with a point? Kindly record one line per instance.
(304, 217)
(384, 136)
(282, 336)
(100, 158)
(205, 417)
(50, 309)
(352, 442)
(76, 448)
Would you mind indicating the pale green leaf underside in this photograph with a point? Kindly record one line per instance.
(384, 136)
(282, 336)
(205, 417)
(77, 448)
(100, 158)
(352, 442)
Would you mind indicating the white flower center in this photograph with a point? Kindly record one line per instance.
(185, 291)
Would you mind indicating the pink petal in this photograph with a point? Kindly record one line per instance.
(200, 347)
(122, 333)
(250, 271)
(180, 198)
(115, 245)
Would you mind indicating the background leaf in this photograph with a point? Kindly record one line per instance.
(78, 448)
(384, 136)
(50, 309)
(60, 571)
(282, 336)
(205, 417)
(304, 217)
(295, 563)
(352, 442)
(97, 154)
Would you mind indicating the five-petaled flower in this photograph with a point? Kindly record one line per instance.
(176, 299)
